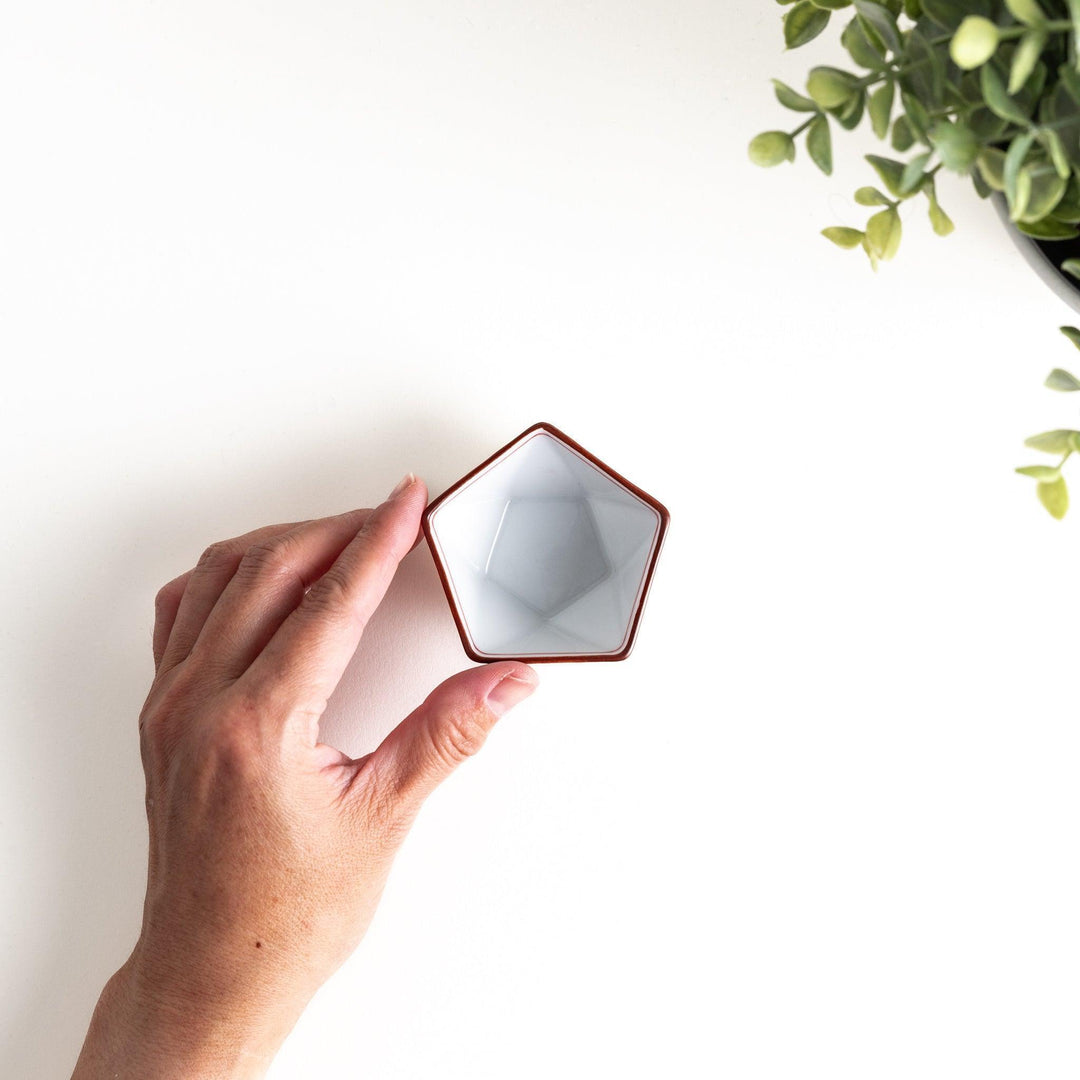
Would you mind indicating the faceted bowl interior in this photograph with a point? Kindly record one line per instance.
(545, 554)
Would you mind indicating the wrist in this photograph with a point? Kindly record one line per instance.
(147, 1027)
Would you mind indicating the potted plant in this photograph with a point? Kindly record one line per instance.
(989, 89)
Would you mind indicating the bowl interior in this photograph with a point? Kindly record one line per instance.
(545, 552)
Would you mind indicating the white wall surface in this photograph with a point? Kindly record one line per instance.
(258, 258)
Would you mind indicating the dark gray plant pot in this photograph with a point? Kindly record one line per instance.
(1044, 256)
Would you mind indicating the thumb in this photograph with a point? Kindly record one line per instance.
(451, 725)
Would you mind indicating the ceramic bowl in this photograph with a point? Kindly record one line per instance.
(545, 552)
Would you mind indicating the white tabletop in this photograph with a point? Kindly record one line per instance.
(257, 259)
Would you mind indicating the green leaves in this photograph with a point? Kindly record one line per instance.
(1063, 381)
(991, 164)
(903, 138)
(792, 100)
(771, 148)
(1054, 495)
(924, 73)
(956, 144)
(878, 22)
(988, 89)
(997, 98)
(948, 14)
(819, 144)
(1025, 58)
(1027, 12)
(830, 87)
(914, 172)
(1054, 442)
(1048, 229)
(1050, 484)
(917, 115)
(859, 47)
(891, 173)
(1016, 182)
(851, 112)
(881, 239)
(975, 41)
(1070, 82)
(939, 220)
(880, 107)
(870, 196)
(1056, 149)
(1040, 472)
(1044, 191)
(841, 237)
(1074, 16)
(803, 23)
(883, 232)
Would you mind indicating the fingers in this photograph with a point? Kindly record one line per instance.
(204, 585)
(305, 659)
(166, 605)
(449, 727)
(268, 584)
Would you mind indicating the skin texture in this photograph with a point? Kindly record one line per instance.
(268, 849)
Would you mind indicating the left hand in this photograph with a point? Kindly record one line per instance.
(268, 849)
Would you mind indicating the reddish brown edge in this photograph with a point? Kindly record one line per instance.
(665, 519)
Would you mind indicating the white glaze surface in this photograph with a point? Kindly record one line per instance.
(545, 553)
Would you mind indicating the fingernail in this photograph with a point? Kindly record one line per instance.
(407, 481)
(504, 695)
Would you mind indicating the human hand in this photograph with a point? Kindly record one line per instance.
(268, 849)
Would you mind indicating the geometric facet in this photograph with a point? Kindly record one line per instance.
(545, 553)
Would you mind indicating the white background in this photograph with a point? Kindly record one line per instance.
(259, 258)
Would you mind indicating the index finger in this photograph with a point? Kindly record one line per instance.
(305, 659)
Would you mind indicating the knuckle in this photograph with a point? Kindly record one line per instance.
(164, 700)
(459, 735)
(232, 747)
(173, 700)
(166, 597)
(173, 725)
(335, 593)
(161, 719)
(242, 707)
(331, 594)
(272, 560)
(147, 723)
(218, 556)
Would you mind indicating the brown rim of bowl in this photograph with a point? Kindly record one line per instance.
(644, 496)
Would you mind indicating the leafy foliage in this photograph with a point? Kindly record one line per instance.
(1050, 485)
(989, 89)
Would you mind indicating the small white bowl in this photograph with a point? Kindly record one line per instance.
(545, 552)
